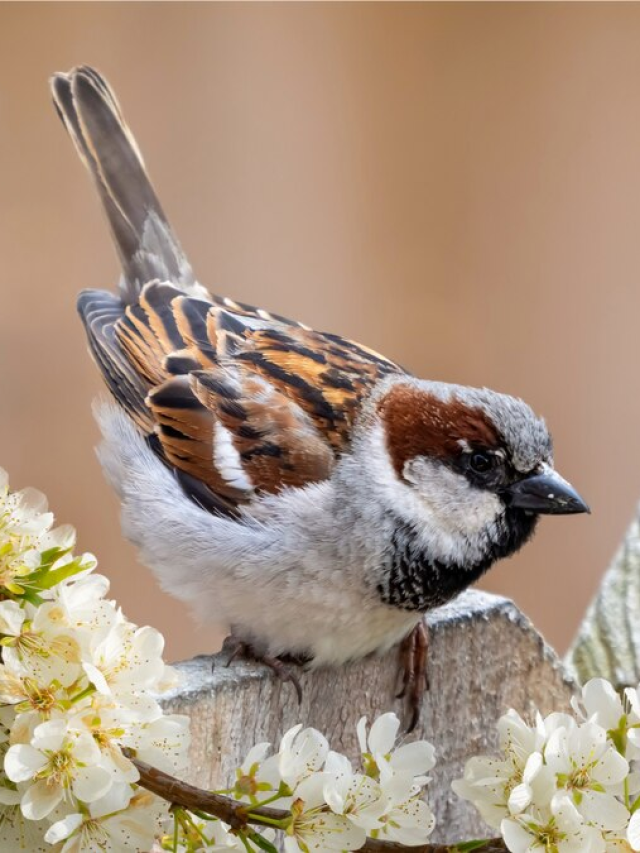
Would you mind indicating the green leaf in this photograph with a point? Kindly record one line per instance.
(262, 842)
(619, 735)
(55, 576)
(48, 557)
(176, 833)
(32, 597)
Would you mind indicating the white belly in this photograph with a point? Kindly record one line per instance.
(331, 622)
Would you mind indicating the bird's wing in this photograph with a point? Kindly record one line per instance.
(237, 401)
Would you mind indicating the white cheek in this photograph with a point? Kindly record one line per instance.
(450, 498)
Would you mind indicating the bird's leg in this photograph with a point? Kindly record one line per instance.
(414, 651)
(234, 647)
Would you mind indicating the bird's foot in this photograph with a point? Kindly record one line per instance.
(281, 666)
(414, 652)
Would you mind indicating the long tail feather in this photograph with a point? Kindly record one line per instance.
(147, 246)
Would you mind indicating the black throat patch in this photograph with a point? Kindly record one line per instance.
(414, 581)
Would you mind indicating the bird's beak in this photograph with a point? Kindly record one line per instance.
(545, 492)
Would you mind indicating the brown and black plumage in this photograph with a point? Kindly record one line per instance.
(181, 361)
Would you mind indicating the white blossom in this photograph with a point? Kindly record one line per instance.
(410, 822)
(393, 807)
(562, 832)
(24, 521)
(379, 752)
(107, 725)
(79, 603)
(500, 787)
(42, 649)
(127, 659)
(600, 703)
(588, 769)
(354, 795)
(302, 752)
(162, 742)
(380, 739)
(618, 714)
(314, 827)
(104, 829)
(258, 774)
(487, 783)
(565, 784)
(55, 762)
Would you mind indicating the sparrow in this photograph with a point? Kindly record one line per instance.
(296, 485)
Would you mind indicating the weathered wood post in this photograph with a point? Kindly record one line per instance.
(484, 658)
(608, 642)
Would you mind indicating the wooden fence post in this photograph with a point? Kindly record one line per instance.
(484, 658)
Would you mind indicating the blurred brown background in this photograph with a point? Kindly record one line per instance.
(457, 186)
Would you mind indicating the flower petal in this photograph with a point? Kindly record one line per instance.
(519, 799)
(22, 762)
(333, 832)
(603, 810)
(40, 800)
(415, 758)
(91, 783)
(516, 837)
(63, 828)
(382, 735)
(633, 831)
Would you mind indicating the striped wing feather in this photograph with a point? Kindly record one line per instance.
(237, 401)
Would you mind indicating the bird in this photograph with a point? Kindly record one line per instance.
(296, 485)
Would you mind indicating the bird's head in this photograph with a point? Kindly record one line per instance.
(479, 462)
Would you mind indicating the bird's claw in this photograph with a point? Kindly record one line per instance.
(235, 648)
(284, 672)
(415, 680)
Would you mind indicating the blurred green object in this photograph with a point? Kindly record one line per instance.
(607, 644)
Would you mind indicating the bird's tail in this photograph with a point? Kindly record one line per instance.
(147, 246)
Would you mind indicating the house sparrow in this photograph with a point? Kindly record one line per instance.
(297, 485)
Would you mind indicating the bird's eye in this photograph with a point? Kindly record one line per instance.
(481, 463)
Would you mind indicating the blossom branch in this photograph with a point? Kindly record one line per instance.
(239, 815)
(179, 793)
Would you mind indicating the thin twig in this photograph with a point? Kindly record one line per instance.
(180, 793)
(236, 815)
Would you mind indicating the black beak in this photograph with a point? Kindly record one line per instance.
(547, 493)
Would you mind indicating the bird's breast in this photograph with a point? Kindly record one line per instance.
(414, 580)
